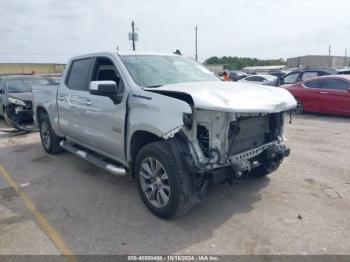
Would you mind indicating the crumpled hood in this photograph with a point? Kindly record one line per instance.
(233, 96)
(27, 96)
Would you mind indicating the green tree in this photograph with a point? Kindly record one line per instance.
(238, 63)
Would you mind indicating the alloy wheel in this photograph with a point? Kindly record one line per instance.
(45, 134)
(154, 182)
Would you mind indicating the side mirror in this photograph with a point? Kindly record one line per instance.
(106, 88)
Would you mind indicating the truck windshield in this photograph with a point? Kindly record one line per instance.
(157, 70)
(23, 84)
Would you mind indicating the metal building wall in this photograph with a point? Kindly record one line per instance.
(318, 62)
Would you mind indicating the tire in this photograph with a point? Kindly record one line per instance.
(8, 121)
(264, 170)
(299, 109)
(151, 180)
(49, 140)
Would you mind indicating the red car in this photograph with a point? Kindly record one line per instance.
(325, 94)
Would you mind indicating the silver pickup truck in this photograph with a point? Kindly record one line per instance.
(165, 120)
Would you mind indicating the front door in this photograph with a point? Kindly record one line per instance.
(97, 122)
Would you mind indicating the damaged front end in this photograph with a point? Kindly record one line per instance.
(19, 113)
(223, 146)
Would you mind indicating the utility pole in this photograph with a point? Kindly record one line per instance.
(346, 55)
(133, 34)
(329, 55)
(196, 42)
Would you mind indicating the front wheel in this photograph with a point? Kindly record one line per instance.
(159, 181)
(49, 139)
(299, 109)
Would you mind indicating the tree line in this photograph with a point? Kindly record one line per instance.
(238, 63)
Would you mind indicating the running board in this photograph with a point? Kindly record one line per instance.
(93, 159)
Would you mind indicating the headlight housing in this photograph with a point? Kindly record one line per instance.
(16, 101)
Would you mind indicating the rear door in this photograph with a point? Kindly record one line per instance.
(72, 99)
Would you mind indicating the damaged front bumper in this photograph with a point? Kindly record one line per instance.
(222, 145)
(19, 116)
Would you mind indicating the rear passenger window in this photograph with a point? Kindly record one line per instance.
(336, 84)
(79, 73)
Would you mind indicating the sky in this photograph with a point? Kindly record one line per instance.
(54, 30)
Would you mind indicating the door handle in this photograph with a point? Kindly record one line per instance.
(87, 102)
(323, 92)
(61, 97)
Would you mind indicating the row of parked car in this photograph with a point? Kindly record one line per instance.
(316, 90)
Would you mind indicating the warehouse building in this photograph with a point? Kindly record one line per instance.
(31, 68)
(318, 61)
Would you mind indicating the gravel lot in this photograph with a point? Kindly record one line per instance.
(303, 208)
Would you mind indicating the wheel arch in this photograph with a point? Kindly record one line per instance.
(39, 111)
(138, 140)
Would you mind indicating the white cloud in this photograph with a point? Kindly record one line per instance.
(53, 30)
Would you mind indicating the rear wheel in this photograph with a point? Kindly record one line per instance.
(49, 139)
(159, 181)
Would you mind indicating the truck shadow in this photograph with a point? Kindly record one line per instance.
(98, 213)
(328, 117)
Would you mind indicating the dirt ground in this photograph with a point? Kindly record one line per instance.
(303, 208)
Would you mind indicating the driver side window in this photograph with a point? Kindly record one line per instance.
(105, 70)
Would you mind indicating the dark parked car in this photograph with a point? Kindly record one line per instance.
(16, 98)
(326, 94)
(304, 74)
(344, 71)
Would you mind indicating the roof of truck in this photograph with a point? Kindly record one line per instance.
(125, 53)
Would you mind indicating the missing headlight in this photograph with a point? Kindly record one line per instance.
(203, 139)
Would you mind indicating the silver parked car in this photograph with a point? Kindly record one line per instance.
(165, 120)
(260, 79)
